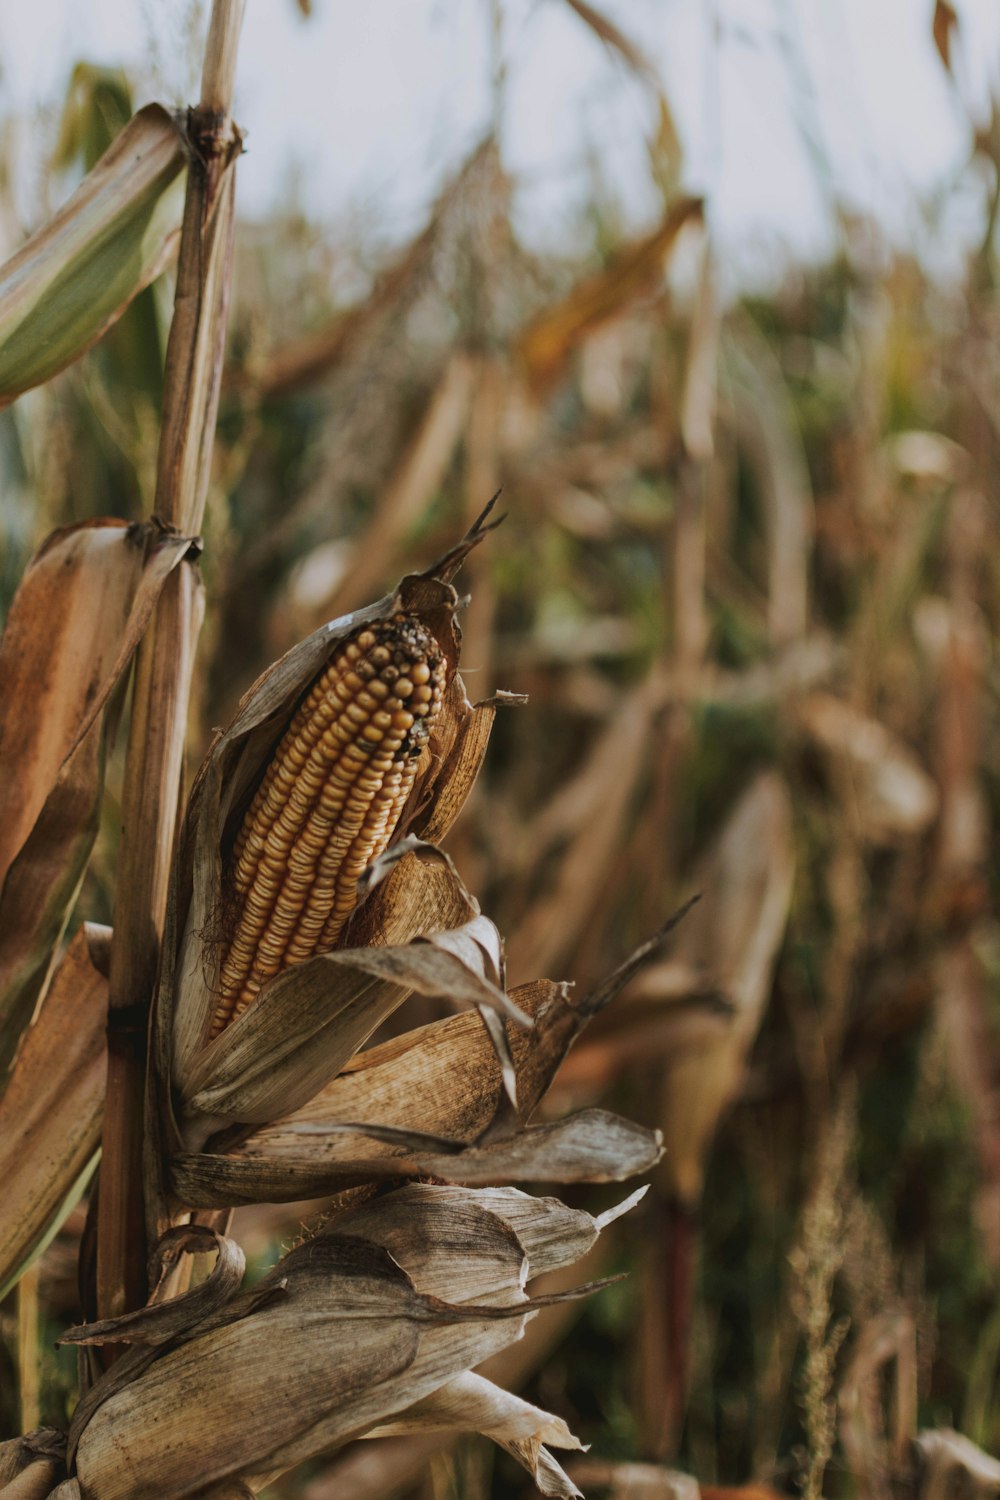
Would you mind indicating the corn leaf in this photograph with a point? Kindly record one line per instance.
(74, 277)
(75, 621)
(50, 1114)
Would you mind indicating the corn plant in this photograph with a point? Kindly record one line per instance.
(209, 1044)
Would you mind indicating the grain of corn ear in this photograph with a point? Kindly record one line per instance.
(329, 803)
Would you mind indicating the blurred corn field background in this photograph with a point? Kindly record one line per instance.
(748, 580)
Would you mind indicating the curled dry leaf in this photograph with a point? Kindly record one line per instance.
(75, 621)
(72, 279)
(352, 1328)
(50, 1112)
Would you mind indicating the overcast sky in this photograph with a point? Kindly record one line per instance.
(362, 109)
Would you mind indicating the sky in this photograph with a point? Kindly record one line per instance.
(784, 107)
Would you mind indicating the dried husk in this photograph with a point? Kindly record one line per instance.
(354, 1331)
(433, 1102)
(75, 621)
(591, 1146)
(73, 278)
(471, 1401)
(30, 1465)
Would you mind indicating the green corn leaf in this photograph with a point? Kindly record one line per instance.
(75, 276)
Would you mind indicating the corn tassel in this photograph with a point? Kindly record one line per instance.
(329, 803)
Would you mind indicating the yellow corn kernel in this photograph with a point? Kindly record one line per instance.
(328, 804)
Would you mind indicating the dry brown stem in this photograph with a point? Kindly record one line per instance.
(159, 712)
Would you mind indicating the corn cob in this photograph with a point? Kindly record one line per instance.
(328, 804)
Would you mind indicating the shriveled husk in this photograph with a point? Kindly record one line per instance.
(389, 1306)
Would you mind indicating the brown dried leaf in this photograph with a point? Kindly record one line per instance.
(74, 622)
(952, 1464)
(50, 1114)
(443, 1078)
(162, 1322)
(635, 271)
(76, 619)
(43, 1450)
(419, 1216)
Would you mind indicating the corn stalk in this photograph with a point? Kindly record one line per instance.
(165, 661)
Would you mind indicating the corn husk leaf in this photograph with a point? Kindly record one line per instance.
(473, 1402)
(433, 1104)
(351, 1332)
(951, 1464)
(591, 1146)
(315, 1016)
(50, 1114)
(76, 619)
(73, 278)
